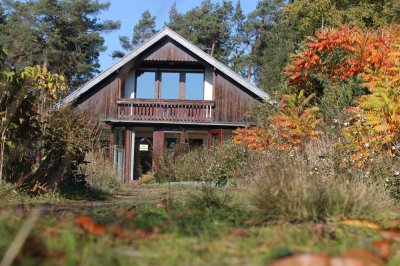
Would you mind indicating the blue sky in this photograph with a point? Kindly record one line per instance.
(128, 13)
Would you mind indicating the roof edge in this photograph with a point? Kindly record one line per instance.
(182, 41)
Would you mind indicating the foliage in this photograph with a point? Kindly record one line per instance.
(99, 171)
(207, 26)
(295, 123)
(63, 35)
(338, 54)
(376, 124)
(142, 31)
(291, 127)
(296, 187)
(40, 143)
(255, 138)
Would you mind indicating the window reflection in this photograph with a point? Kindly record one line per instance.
(169, 85)
(194, 89)
(145, 84)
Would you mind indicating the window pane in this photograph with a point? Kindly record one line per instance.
(145, 84)
(194, 89)
(169, 85)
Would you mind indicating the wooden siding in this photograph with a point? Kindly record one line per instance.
(100, 102)
(231, 102)
(167, 50)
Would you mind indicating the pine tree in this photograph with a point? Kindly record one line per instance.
(208, 26)
(63, 35)
(142, 31)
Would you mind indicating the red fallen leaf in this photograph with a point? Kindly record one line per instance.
(367, 257)
(303, 260)
(239, 232)
(89, 225)
(390, 233)
(382, 247)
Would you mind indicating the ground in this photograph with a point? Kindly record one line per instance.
(161, 225)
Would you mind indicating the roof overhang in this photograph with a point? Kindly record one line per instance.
(182, 41)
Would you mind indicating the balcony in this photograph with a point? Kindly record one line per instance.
(165, 110)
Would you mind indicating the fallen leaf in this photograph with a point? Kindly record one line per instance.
(89, 225)
(390, 233)
(382, 247)
(360, 223)
(368, 257)
(239, 232)
(303, 260)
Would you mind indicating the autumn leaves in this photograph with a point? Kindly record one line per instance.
(346, 53)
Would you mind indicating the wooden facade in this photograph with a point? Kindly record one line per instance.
(141, 127)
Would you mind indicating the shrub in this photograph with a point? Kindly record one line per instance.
(219, 165)
(297, 187)
(99, 172)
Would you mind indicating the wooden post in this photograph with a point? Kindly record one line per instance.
(111, 145)
(128, 152)
(158, 147)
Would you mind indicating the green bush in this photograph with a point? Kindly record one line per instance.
(220, 165)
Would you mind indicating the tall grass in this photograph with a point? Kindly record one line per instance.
(305, 187)
(99, 172)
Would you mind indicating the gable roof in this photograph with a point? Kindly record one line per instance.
(182, 41)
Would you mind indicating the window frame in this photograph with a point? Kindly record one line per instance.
(182, 82)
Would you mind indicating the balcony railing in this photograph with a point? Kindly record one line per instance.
(165, 110)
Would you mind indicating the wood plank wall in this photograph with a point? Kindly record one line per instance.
(100, 102)
(231, 102)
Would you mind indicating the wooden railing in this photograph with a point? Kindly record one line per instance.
(165, 110)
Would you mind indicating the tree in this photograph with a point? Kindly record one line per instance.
(63, 35)
(208, 26)
(266, 39)
(291, 127)
(375, 126)
(142, 31)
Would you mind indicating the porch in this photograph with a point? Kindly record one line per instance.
(137, 150)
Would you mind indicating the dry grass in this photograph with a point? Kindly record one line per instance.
(307, 187)
(100, 173)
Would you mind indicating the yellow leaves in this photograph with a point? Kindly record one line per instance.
(42, 79)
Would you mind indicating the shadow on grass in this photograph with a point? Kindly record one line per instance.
(76, 188)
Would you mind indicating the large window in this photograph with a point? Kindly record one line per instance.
(174, 84)
(145, 85)
(170, 85)
(194, 86)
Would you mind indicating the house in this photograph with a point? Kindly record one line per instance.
(164, 91)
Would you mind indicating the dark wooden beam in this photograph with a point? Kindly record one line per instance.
(128, 152)
(158, 147)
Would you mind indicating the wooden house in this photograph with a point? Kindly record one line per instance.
(164, 91)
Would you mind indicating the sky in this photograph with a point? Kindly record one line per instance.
(128, 13)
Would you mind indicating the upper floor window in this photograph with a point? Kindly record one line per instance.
(189, 85)
(170, 85)
(194, 86)
(145, 84)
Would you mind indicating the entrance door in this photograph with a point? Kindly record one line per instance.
(215, 137)
(143, 160)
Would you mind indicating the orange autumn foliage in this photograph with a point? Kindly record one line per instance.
(341, 53)
(291, 127)
(255, 138)
(376, 116)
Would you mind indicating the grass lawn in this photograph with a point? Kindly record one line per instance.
(180, 232)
